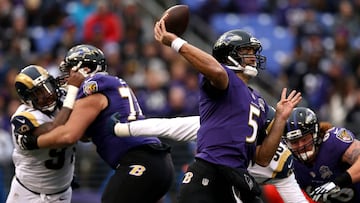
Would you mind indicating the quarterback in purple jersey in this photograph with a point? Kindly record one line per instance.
(231, 116)
(327, 164)
(139, 163)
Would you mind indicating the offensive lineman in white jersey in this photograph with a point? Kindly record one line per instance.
(278, 172)
(42, 175)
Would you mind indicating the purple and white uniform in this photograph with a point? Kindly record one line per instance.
(328, 165)
(230, 121)
(121, 99)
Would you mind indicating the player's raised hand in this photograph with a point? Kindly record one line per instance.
(75, 78)
(162, 35)
(287, 103)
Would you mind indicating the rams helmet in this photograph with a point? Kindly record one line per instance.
(37, 88)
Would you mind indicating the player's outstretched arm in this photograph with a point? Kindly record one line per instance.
(179, 128)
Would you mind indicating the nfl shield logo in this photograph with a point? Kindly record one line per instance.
(205, 181)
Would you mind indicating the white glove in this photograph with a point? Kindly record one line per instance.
(323, 191)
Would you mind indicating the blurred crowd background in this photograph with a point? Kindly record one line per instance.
(311, 45)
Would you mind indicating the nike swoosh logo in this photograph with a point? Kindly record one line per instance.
(21, 120)
(290, 164)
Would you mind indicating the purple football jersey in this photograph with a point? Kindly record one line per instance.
(328, 166)
(120, 99)
(230, 121)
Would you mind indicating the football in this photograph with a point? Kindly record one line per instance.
(176, 19)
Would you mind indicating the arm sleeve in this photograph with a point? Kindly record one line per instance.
(179, 128)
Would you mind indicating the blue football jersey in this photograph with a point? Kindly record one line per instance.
(120, 99)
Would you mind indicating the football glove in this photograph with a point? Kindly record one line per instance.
(322, 192)
(27, 142)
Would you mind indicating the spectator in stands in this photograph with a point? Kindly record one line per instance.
(103, 26)
(78, 12)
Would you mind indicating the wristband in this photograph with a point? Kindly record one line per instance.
(122, 129)
(343, 180)
(177, 44)
(70, 98)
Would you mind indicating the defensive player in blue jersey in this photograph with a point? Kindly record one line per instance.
(327, 163)
(143, 165)
(231, 117)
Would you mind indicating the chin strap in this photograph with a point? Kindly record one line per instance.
(247, 70)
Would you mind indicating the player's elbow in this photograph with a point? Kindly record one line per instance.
(220, 79)
(69, 139)
(262, 161)
(263, 156)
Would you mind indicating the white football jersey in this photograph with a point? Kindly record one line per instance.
(281, 166)
(45, 171)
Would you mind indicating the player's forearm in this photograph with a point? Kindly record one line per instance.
(352, 157)
(266, 151)
(67, 107)
(354, 171)
(56, 138)
(205, 64)
(179, 129)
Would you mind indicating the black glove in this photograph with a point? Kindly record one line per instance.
(27, 142)
(323, 191)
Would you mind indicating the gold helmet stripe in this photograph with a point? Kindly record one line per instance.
(25, 79)
(28, 81)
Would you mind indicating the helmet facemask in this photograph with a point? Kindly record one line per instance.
(306, 152)
(38, 89)
(302, 134)
(240, 60)
(86, 59)
(44, 95)
(227, 47)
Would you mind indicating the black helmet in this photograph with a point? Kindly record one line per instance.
(229, 43)
(84, 55)
(302, 122)
(37, 88)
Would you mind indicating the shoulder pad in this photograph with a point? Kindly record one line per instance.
(90, 87)
(342, 134)
(24, 122)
